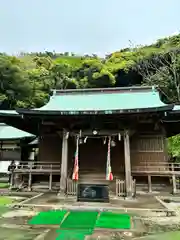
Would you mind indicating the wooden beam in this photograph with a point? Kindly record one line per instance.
(128, 177)
(100, 133)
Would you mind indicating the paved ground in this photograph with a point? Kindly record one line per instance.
(142, 201)
(16, 221)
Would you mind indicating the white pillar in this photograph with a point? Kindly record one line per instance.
(64, 162)
(128, 178)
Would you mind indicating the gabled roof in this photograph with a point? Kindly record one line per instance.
(10, 133)
(102, 101)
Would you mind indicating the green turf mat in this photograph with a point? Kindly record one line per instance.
(80, 220)
(113, 220)
(73, 234)
(82, 231)
(53, 217)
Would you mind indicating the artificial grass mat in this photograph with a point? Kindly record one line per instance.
(78, 224)
(113, 220)
(80, 220)
(73, 234)
(53, 217)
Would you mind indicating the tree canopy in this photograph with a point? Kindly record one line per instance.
(26, 80)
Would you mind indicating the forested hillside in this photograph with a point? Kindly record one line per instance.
(26, 80)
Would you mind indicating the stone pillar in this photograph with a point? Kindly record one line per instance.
(64, 162)
(128, 178)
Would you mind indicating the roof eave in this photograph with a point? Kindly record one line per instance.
(9, 115)
(94, 112)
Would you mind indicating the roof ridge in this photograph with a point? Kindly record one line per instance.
(114, 89)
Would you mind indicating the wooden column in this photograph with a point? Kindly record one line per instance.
(128, 178)
(50, 179)
(149, 184)
(30, 181)
(174, 184)
(11, 180)
(64, 162)
(173, 179)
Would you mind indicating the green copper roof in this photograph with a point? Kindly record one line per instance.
(106, 101)
(9, 133)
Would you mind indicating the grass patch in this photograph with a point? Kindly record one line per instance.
(164, 236)
(114, 221)
(4, 200)
(3, 209)
(4, 185)
(18, 234)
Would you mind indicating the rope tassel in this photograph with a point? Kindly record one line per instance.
(75, 175)
(109, 175)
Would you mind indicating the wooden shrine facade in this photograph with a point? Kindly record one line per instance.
(135, 119)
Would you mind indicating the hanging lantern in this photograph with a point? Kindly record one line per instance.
(119, 136)
(113, 143)
(80, 141)
(95, 132)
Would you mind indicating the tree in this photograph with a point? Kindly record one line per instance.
(14, 85)
(61, 75)
(163, 70)
(174, 147)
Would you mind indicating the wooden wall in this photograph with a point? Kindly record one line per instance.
(147, 153)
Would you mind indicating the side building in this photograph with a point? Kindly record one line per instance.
(12, 144)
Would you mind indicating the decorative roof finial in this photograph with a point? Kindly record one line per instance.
(54, 92)
(153, 89)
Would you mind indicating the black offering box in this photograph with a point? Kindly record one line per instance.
(93, 192)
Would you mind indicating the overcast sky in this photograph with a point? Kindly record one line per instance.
(84, 26)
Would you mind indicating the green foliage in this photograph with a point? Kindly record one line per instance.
(174, 147)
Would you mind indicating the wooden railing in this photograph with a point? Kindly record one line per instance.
(39, 167)
(121, 188)
(71, 187)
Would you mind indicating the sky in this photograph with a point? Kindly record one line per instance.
(84, 26)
